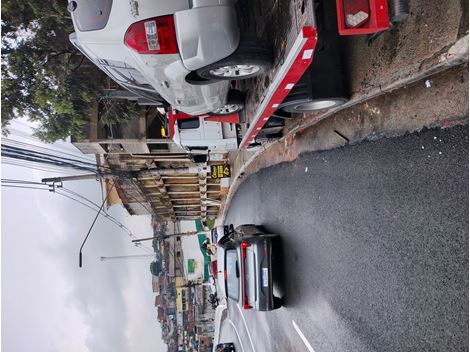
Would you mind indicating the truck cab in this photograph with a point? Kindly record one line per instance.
(203, 134)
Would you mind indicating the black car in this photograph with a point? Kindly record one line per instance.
(248, 269)
(225, 347)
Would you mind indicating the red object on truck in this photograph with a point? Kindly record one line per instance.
(362, 16)
(213, 269)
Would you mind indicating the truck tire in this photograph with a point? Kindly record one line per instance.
(311, 105)
(235, 103)
(321, 87)
(252, 58)
(324, 84)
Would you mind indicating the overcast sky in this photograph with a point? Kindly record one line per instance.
(48, 302)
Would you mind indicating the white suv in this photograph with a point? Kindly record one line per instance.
(184, 51)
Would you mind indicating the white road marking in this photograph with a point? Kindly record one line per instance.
(246, 327)
(302, 336)
(236, 332)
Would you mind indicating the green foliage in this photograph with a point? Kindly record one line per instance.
(43, 76)
(114, 112)
(210, 223)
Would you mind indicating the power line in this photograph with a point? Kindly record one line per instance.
(25, 187)
(36, 147)
(29, 185)
(104, 214)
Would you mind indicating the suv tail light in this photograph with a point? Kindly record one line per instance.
(152, 36)
(356, 12)
(244, 245)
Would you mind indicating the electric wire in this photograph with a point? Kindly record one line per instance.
(104, 214)
(46, 168)
(39, 148)
(25, 187)
(12, 183)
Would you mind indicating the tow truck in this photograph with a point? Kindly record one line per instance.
(307, 75)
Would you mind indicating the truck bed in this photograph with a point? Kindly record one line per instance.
(279, 22)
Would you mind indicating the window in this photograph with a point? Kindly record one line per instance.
(92, 15)
(187, 124)
(178, 254)
(233, 280)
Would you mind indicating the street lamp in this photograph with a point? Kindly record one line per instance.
(92, 224)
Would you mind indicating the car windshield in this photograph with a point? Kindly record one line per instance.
(231, 267)
(92, 15)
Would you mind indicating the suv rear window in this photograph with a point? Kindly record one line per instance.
(92, 15)
(233, 280)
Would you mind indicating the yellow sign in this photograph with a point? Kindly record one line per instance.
(220, 171)
(179, 300)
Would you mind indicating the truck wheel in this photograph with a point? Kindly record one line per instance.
(252, 58)
(324, 84)
(235, 103)
(310, 105)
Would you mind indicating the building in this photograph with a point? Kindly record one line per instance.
(155, 284)
(157, 176)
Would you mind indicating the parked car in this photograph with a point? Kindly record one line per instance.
(181, 52)
(225, 347)
(248, 269)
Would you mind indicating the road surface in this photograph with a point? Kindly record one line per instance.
(375, 247)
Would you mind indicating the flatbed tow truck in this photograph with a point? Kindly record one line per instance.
(307, 65)
(307, 72)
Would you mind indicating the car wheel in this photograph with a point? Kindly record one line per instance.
(252, 58)
(235, 103)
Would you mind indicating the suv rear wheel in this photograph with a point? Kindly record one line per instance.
(252, 58)
(235, 103)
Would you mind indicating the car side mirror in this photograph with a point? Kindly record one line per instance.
(72, 6)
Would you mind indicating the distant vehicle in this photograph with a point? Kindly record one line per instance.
(225, 347)
(248, 269)
(219, 232)
(181, 52)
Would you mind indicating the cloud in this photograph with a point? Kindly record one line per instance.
(104, 306)
(97, 289)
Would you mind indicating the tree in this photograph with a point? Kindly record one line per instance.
(43, 76)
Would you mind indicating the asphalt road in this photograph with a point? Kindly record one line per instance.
(375, 247)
